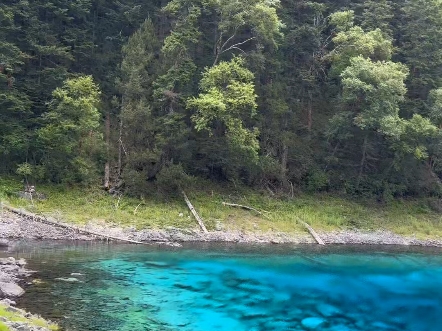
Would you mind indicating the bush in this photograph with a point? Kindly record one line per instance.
(171, 179)
(317, 180)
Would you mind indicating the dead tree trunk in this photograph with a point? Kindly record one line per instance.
(197, 217)
(313, 233)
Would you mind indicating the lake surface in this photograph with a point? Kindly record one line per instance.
(200, 288)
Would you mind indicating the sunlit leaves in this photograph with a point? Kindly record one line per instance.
(226, 102)
(374, 89)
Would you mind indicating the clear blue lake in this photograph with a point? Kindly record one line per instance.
(110, 287)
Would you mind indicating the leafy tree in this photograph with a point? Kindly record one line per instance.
(72, 143)
(371, 95)
(435, 106)
(352, 41)
(226, 104)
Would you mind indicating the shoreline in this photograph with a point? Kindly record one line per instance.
(13, 227)
(13, 275)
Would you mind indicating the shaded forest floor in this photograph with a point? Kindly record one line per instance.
(324, 212)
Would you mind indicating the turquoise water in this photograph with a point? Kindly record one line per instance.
(129, 288)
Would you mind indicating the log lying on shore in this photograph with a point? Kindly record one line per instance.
(242, 207)
(44, 220)
(197, 217)
(313, 233)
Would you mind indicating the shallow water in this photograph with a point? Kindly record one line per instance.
(132, 288)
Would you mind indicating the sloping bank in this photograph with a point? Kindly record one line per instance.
(14, 226)
(12, 272)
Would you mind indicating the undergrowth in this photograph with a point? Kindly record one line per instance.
(326, 212)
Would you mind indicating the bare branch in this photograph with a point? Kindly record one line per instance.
(237, 44)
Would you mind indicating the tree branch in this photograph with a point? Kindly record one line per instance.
(237, 44)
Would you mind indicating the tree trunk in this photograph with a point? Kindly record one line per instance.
(362, 164)
(120, 148)
(106, 166)
(310, 112)
(284, 161)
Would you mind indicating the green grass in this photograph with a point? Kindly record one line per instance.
(322, 211)
(17, 317)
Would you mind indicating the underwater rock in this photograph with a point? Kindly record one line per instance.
(253, 314)
(381, 326)
(157, 264)
(312, 322)
(68, 279)
(187, 287)
(340, 327)
(327, 310)
(278, 325)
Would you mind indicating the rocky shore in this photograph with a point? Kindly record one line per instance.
(12, 272)
(13, 226)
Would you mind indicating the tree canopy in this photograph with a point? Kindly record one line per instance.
(343, 96)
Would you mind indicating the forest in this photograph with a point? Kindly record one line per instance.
(286, 96)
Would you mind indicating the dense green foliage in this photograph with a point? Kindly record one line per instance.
(342, 96)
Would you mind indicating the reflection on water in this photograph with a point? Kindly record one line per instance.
(129, 288)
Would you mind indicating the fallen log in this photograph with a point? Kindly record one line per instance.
(197, 217)
(241, 206)
(313, 233)
(44, 220)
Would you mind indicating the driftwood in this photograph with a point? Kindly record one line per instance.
(313, 233)
(197, 217)
(241, 206)
(44, 220)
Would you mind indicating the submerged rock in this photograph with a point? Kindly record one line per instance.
(339, 327)
(68, 279)
(76, 274)
(10, 290)
(327, 310)
(312, 322)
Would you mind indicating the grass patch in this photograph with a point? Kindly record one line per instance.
(14, 316)
(322, 211)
